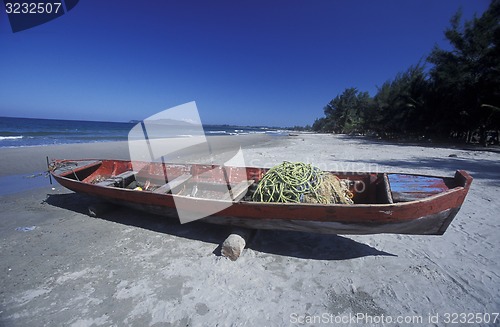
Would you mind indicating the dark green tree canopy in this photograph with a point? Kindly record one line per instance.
(346, 112)
(460, 93)
(468, 77)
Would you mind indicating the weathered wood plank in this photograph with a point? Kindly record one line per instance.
(406, 188)
(239, 191)
(387, 187)
(173, 184)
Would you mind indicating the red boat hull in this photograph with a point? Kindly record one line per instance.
(430, 214)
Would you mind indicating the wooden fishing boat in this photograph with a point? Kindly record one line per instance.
(383, 202)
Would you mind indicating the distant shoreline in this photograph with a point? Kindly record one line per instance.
(32, 159)
(439, 143)
(24, 132)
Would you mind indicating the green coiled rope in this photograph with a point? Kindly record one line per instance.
(298, 182)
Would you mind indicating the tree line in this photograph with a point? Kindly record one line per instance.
(457, 97)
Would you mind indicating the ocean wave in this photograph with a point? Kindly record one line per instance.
(24, 132)
(216, 132)
(17, 137)
(43, 133)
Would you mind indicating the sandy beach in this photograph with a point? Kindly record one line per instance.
(60, 267)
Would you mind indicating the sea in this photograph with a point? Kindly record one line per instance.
(23, 132)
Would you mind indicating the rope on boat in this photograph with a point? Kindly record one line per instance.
(299, 182)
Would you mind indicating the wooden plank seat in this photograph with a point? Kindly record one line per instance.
(174, 184)
(406, 188)
(238, 191)
(387, 190)
(120, 180)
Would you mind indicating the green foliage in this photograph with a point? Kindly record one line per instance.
(299, 128)
(468, 76)
(346, 113)
(319, 125)
(460, 93)
(400, 105)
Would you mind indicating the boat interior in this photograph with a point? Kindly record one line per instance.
(207, 181)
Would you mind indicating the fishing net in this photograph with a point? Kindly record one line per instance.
(299, 182)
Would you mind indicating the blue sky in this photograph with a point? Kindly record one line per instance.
(275, 63)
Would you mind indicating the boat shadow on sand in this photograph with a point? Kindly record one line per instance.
(285, 243)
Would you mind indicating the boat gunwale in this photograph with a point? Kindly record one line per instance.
(467, 182)
(430, 215)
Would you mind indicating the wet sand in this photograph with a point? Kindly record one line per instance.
(60, 267)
